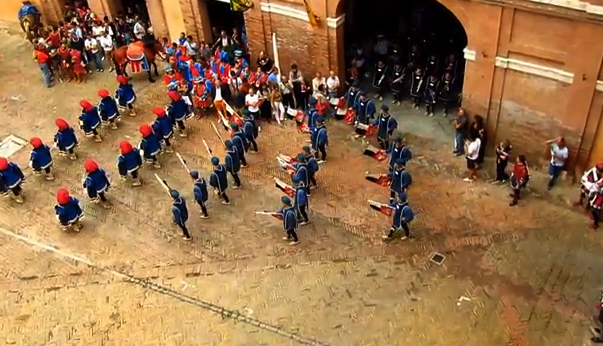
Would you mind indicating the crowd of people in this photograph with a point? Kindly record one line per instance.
(83, 42)
(205, 78)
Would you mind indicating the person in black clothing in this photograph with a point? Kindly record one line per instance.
(122, 29)
(265, 63)
(78, 44)
(503, 150)
(478, 130)
(237, 40)
(110, 27)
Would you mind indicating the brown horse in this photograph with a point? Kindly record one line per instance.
(121, 59)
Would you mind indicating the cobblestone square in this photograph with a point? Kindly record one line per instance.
(519, 276)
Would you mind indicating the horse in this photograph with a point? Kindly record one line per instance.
(134, 54)
(31, 25)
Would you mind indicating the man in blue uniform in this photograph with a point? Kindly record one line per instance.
(162, 126)
(250, 130)
(150, 145)
(240, 142)
(180, 213)
(125, 95)
(401, 180)
(178, 112)
(129, 162)
(90, 120)
(200, 193)
(26, 10)
(386, 125)
(40, 158)
(302, 174)
(313, 166)
(366, 110)
(398, 151)
(11, 178)
(107, 108)
(402, 217)
(96, 183)
(68, 211)
(289, 221)
(219, 180)
(301, 202)
(233, 163)
(352, 95)
(65, 139)
(320, 139)
(312, 113)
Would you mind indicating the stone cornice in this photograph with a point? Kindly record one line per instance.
(571, 9)
(298, 14)
(535, 69)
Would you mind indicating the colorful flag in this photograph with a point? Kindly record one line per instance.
(240, 5)
(311, 16)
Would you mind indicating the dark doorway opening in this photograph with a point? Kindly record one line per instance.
(418, 34)
(222, 18)
(130, 8)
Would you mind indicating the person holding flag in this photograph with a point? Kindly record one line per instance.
(289, 217)
(200, 192)
(180, 214)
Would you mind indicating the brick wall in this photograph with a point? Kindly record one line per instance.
(313, 49)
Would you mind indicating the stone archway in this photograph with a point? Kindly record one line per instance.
(345, 10)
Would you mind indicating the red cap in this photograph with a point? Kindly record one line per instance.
(3, 163)
(103, 93)
(122, 79)
(63, 196)
(90, 166)
(145, 130)
(125, 147)
(86, 105)
(159, 112)
(174, 95)
(36, 142)
(62, 124)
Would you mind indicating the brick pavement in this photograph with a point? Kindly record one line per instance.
(530, 272)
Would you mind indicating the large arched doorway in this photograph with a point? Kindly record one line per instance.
(418, 34)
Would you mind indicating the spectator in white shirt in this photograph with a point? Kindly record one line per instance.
(78, 32)
(191, 47)
(252, 103)
(139, 30)
(472, 156)
(93, 51)
(98, 30)
(317, 81)
(332, 85)
(106, 42)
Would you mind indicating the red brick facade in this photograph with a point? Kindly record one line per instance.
(533, 70)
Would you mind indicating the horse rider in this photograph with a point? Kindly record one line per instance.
(149, 40)
(28, 9)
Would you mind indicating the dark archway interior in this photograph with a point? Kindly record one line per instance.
(138, 7)
(415, 29)
(221, 17)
